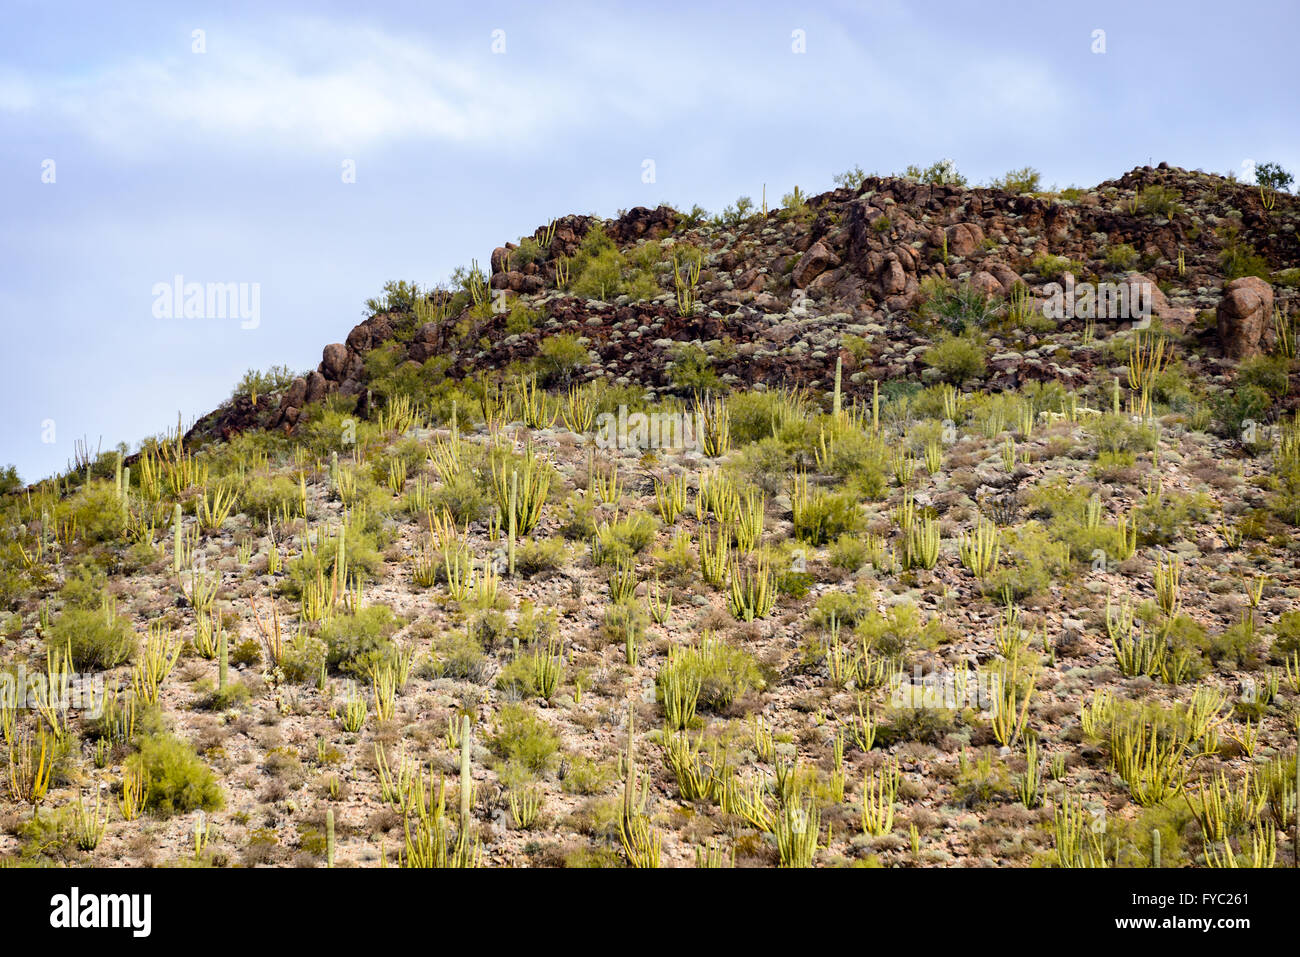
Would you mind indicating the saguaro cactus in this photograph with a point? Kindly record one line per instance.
(176, 539)
(466, 784)
(836, 401)
(223, 659)
(329, 838)
(514, 502)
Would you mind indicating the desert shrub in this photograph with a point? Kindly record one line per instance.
(1273, 176)
(858, 460)
(255, 383)
(1121, 256)
(766, 464)
(723, 671)
(624, 618)
(897, 631)
(850, 552)
(559, 358)
(95, 638)
(960, 309)
(825, 516)
(956, 358)
(1237, 647)
(1023, 180)
(761, 415)
(524, 738)
(586, 776)
(9, 480)
(1235, 409)
(690, 370)
(982, 781)
(1117, 432)
(1238, 257)
(264, 495)
(1270, 373)
(1160, 201)
(914, 720)
(1161, 517)
(465, 496)
(98, 512)
(1048, 265)
(579, 522)
(941, 172)
(620, 540)
(538, 555)
(522, 318)
(1286, 635)
(458, 654)
(1036, 559)
(178, 780)
(844, 608)
(359, 640)
(398, 296)
(303, 658)
(602, 272)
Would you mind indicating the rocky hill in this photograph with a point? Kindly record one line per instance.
(971, 543)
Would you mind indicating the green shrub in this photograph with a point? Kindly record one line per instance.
(1270, 373)
(263, 383)
(898, 631)
(960, 309)
(690, 370)
(1160, 201)
(559, 358)
(849, 552)
(1161, 517)
(96, 638)
(723, 671)
(845, 608)
(359, 640)
(178, 780)
(524, 738)
(620, 540)
(1286, 635)
(1117, 432)
(1023, 180)
(9, 480)
(264, 495)
(538, 555)
(1238, 257)
(956, 358)
(1121, 256)
(825, 516)
(99, 513)
(941, 172)
(458, 654)
(303, 658)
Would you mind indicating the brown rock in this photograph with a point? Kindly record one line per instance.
(334, 360)
(815, 261)
(317, 387)
(986, 283)
(1244, 314)
(964, 238)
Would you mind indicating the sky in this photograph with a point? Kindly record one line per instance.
(311, 152)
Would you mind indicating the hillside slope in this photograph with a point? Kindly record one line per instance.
(798, 537)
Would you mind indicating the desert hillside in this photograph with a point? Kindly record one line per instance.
(911, 524)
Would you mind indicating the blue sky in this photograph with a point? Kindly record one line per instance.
(226, 165)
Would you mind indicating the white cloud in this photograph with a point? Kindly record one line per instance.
(363, 87)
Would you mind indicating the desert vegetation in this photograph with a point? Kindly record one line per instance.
(920, 579)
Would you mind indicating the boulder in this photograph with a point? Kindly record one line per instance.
(814, 262)
(1244, 316)
(334, 360)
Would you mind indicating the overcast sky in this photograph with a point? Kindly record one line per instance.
(221, 156)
